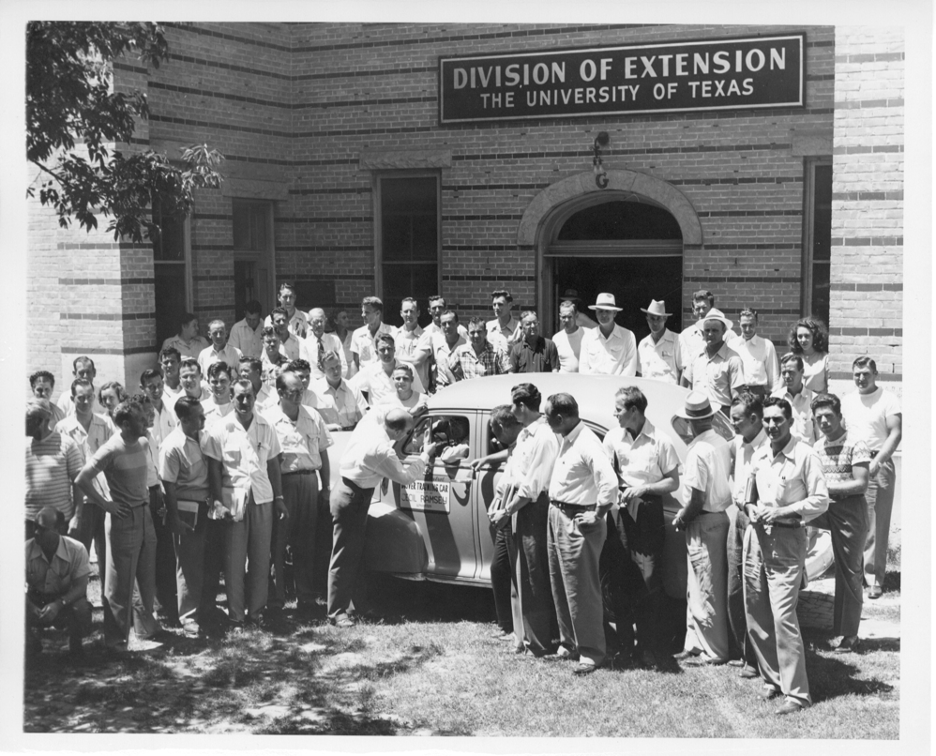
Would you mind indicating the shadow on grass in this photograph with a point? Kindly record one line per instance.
(835, 676)
(250, 681)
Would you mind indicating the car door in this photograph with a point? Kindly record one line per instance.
(441, 502)
(487, 478)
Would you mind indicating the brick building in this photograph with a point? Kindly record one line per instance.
(346, 172)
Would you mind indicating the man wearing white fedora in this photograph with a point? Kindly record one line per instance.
(716, 370)
(659, 354)
(703, 518)
(609, 349)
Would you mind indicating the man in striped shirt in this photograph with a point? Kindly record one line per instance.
(53, 461)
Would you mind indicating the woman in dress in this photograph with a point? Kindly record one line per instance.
(809, 338)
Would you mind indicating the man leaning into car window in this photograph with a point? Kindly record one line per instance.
(370, 455)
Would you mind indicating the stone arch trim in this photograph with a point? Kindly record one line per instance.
(664, 194)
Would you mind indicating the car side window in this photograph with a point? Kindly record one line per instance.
(452, 433)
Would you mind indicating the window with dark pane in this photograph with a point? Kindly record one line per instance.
(821, 240)
(250, 225)
(170, 273)
(409, 234)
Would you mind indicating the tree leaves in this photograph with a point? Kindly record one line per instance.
(75, 120)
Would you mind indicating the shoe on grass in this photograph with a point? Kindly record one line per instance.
(848, 644)
(790, 706)
(748, 672)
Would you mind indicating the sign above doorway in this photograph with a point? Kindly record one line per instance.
(722, 74)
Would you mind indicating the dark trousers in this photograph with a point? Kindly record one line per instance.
(739, 644)
(165, 560)
(298, 531)
(847, 522)
(529, 562)
(76, 618)
(349, 505)
(500, 578)
(213, 563)
(90, 529)
(644, 540)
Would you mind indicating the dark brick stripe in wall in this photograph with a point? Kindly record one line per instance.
(106, 281)
(869, 241)
(742, 279)
(488, 278)
(106, 315)
(864, 149)
(867, 196)
(70, 349)
(843, 375)
(839, 286)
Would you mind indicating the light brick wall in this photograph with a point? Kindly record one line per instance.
(867, 203)
(297, 105)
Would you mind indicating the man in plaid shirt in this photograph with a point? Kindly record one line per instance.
(478, 357)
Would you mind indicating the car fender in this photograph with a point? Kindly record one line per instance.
(394, 542)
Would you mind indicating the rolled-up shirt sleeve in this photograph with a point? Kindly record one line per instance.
(817, 500)
(542, 458)
(606, 479)
(388, 465)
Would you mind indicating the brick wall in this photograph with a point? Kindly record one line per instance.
(867, 203)
(295, 107)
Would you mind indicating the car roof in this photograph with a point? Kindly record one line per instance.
(594, 394)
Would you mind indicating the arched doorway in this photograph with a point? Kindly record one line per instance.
(630, 248)
(627, 239)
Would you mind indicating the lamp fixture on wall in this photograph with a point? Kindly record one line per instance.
(601, 175)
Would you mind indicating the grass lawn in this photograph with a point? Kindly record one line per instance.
(431, 668)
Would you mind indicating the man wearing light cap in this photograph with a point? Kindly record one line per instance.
(703, 518)
(716, 370)
(609, 349)
(659, 354)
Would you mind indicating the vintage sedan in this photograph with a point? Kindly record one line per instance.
(437, 528)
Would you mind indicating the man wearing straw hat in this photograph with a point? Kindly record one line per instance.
(716, 370)
(659, 354)
(703, 518)
(609, 349)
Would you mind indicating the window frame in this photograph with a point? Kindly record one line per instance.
(809, 232)
(185, 263)
(268, 255)
(377, 179)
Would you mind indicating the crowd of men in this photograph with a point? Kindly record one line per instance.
(219, 463)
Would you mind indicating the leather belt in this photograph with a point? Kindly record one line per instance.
(573, 507)
(790, 525)
(300, 472)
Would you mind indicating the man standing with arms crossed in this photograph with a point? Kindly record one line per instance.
(502, 331)
(479, 357)
(873, 415)
(296, 321)
(364, 339)
(703, 518)
(531, 353)
(530, 467)
(582, 489)
(786, 490)
(341, 405)
(131, 539)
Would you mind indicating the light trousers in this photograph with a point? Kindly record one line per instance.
(131, 562)
(576, 584)
(880, 498)
(532, 599)
(707, 586)
(247, 560)
(773, 573)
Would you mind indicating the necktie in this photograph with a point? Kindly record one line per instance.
(321, 353)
